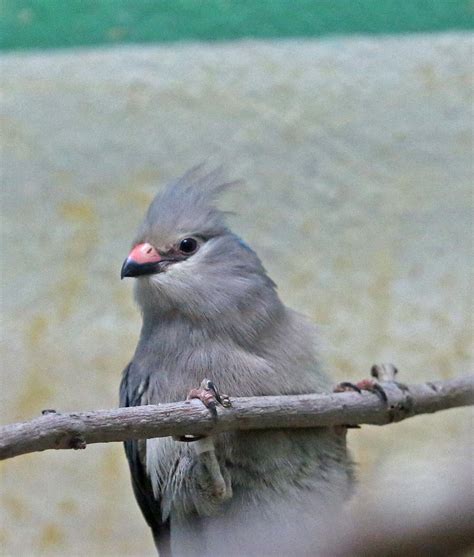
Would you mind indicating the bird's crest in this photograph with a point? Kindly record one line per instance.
(188, 206)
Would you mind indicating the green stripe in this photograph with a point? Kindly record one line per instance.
(64, 23)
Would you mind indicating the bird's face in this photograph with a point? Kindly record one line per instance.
(193, 274)
(171, 269)
(185, 258)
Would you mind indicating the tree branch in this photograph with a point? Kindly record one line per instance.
(75, 430)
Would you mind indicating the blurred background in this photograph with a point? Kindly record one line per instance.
(351, 125)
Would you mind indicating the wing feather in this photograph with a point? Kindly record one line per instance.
(130, 395)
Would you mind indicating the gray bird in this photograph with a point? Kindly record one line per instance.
(211, 311)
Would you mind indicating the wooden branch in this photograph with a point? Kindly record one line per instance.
(75, 430)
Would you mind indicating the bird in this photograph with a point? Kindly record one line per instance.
(212, 321)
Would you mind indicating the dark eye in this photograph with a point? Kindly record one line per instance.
(188, 245)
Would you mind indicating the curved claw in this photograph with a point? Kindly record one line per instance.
(346, 386)
(222, 399)
(369, 385)
(378, 390)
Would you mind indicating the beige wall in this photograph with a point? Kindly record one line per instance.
(357, 161)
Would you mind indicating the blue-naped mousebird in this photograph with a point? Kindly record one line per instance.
(211, 311)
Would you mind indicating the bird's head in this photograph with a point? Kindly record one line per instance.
(186, 259)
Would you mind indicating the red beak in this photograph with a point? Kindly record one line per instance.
(144, 259)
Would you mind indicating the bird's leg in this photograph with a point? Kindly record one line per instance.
(210, 476)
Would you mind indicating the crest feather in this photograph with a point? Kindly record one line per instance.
(188, 206)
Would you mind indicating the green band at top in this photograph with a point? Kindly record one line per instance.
(60, 23)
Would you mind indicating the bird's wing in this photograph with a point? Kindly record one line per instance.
(149, 505)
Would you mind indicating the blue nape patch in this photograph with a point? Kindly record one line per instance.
(245, 245)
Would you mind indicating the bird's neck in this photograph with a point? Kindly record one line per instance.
(241, 325)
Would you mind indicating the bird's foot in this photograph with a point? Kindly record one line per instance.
(380, 373)
(210, 396)
(370, 385)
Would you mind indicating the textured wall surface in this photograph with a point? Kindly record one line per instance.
(357, 158)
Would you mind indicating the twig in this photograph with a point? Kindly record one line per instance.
(74, 430)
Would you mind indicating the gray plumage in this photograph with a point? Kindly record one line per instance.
(216, 314)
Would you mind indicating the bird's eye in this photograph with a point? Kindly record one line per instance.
(188, 245)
